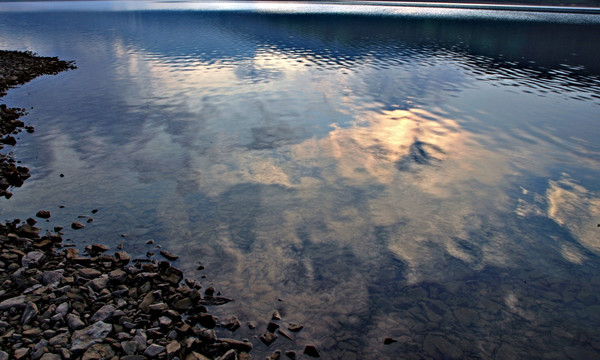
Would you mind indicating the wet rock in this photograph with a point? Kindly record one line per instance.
(271, 326)
(291, 354)
(207, 320)
(99, 248)
(194, 356)
(242, 346)
(123, 256)
(30, 312)
(168, 255)
(388, 341)
(183, 304)
(285, 335)
(44, 214)
(85, 338)
(312, 351)
(276, 315)
(268, 338)
(295, 327)
(77, 225)
(232, 323)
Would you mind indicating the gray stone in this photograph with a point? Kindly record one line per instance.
(63, 309)
(65, 353)
(83, 339)
(39, 349)
(17, 302)
(99, 284)
(103, 314)
(165, 321)
(74, 322)
(3, 355)
(30, 312)
(117, 276)
(129, 347)
(61, 340)
(32, 258)
(141, 339)
(153, 350)
(51, 277)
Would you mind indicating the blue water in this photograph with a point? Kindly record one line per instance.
(425, 174)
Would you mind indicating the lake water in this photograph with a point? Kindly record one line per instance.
(426, 174)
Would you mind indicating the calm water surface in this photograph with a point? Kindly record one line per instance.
(429, 175)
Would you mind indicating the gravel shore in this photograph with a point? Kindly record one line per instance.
(58, 304)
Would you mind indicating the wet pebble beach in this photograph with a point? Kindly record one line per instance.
(58, 303)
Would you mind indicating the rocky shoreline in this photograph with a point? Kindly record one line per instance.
(57, 304)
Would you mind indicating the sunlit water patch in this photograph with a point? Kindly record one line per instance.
(414, 174)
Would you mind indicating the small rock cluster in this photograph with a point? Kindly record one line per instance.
(60, 305)
(16, 68)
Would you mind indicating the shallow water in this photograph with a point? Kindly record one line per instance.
(429, 175)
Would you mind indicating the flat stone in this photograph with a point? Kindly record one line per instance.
(30, 312)
(89, 273)
(103, 314)
(3, 355)
(291, 354)
(285, 335)
(17, 302)
(130, 347)
(153, 350)
(117, 276)
(295, 327)
(98, 248)
(168, 255)
(61, 340)
(21, 353)
(173, 348)
(83, 339)
(158, 307)
(183, 304)
(32, 258)
(99, 283)
(74, 322)
(98, 352)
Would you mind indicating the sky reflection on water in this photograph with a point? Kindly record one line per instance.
(421, 177)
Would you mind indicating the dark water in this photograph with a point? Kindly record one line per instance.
(429, 175)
